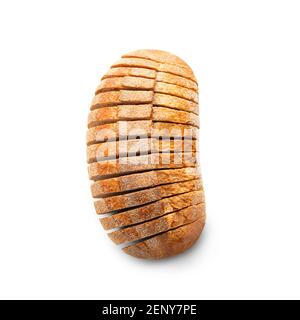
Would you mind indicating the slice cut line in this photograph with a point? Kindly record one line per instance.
(128, 71)
(143, 163)
(150, 64)
(112, 98)
(137, 198)
(151, 74)
(173, 102)
(106, 115)
(158, 225)
(158, 56)
(168, 243)
(135, 147)
(112, 114)
(127, 82)
(142, 180)
(152, 210)
(139, 129)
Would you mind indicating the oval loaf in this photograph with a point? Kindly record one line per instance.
(142, 154)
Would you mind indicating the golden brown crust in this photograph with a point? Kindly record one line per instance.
(167, 129)
(141, 180)
(165, 100)
(146, 182)
(128, 71)
(120, 166)
(177, 91)
(123, 83)
(153, 210)
(120, 129)
(178, 70)
(112, 98)
(159, 225)
(134, 147)
(169, 243)
(144, 84)
(113, 114)
(178, 80)
(158, 56)
(170, 115)
(138, 129)
(123, 148)
(137, 198)
(119, 113)
(151, 74)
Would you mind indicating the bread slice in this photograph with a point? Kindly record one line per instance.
(158, 56)
(150, 64)
(112, 98)
(174, 90)
(165, 100)
(151, 74)
(134, 147)
(169, 243)
(139, 129)
(138, 83)
(179, 81)
(159, 225)
(113, 114)
(162, 114)
(122, 148)
(174, 130)
(152, 210)
(128, 71)
(120, 129)
(137, 198)
(136, 63)
(123, 83)
(142, 180)
(106, 115)
(143, 163)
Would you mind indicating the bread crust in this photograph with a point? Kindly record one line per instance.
(143, 163)
(168, 244)
(142, 154)
(120, 129)
(129, 71)
(142, 180)
(175, 90)
(138, 83)
(112, 98)
(178, 80)
(151, 74)
(138, 198)
(152, 210)
(159, 56)
(113, 114)
(123, 83)
(126, 148)
(162, 114)
(159, 225)
(165, 100)
(144, 128)
(119, 113)
(178, 70)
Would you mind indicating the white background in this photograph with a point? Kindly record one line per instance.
(246, 55)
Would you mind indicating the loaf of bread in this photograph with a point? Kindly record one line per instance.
(142, 155)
